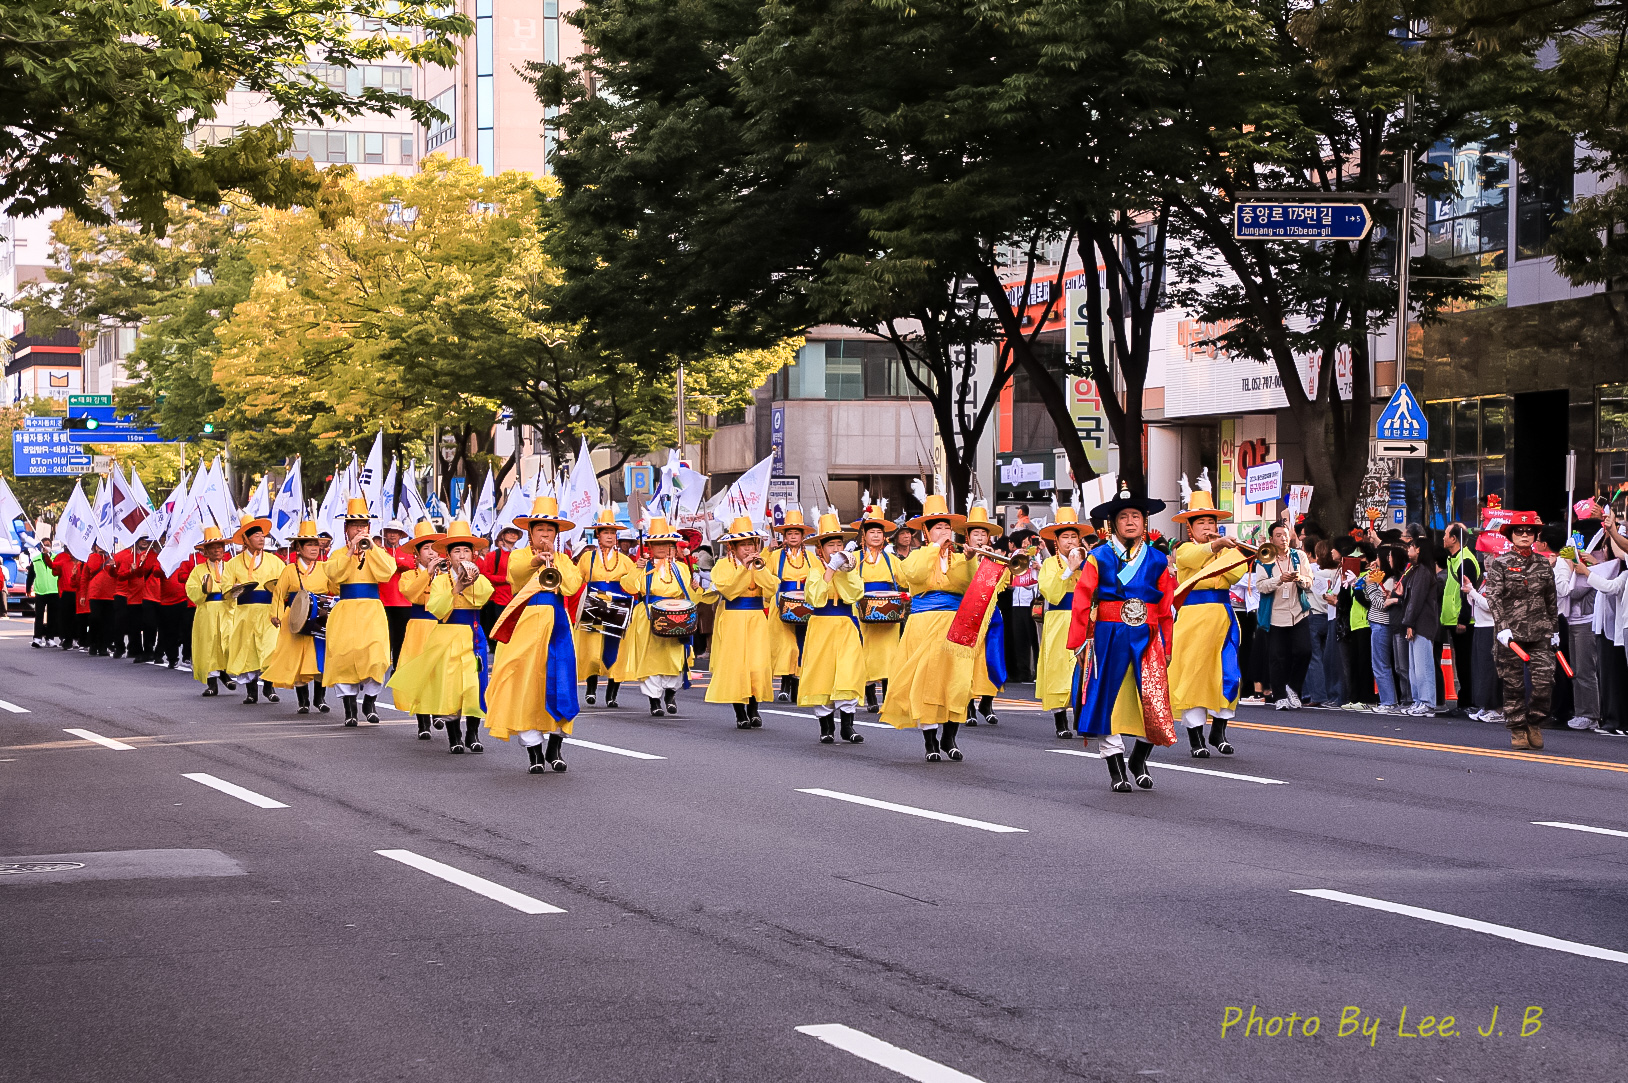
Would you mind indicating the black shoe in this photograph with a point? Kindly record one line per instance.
(1195, 738)
(551, 755)
(271, 693)
(671, 699)
(320, 698)
(751, 713)
(1116, 771)
(588, 699)
(1139, 763)
(138, 659)
(302, 696)
(743, 721)
(784, 695)
(656, 709)
(972, 712)
(367, 710)
(870, 697)
(253, 694)
(534, 753)
(214, 687)
(1218, 736)
(231, 685)
(931, 737)
(593, 685)
(423, 727)
(172, 663)
(992, 720)
(846, 729)
(986, 710)
(454, 745)
(350, 709)
(828, 728)
(1065, 732)
(947, 741)
(472, 734)
(610, 693)
(439, 722)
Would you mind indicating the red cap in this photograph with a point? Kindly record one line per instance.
(1521, 518)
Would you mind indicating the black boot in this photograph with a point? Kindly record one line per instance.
(828, 728)
(367, 709)
(670, 697)
(471, 734)
(534, 753)
(1218, 736)
(593, 686)
(302, 696)
(947, 741)
(1139, 763)
(350, 709)
(213, 688)
(796, 686)
(423, 727)
(253, 694)
(846, 732)
(320, 696)
(931, 738)
(271, 693)
(870, 697)
(231, 685)
(610, 693)
(743, 721)
(438, 721)
(751, 712)
(1116, 771)
(455, 743)
(986, 707)
(972, 712)
(784, 695)
(1065, 732)
(551, 755)
(656, 709)
(1195, 738)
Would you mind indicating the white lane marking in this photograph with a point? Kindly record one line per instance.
(12, 707)
(911, 810)
(256, 799)
(612, 749)
(857, 721)
(889, 1056)
(1179, 767)
(1537, 940)
(1581, 827)
(105, 742)
(480, 886)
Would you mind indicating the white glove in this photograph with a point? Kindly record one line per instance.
(837, 563)
(1554, 639)
(1505, 636)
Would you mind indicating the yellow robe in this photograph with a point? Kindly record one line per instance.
(981, 684)
(415, 587)
(253, 638)
(1054, 675)
(442, 677)
(881, 641)
(740, 637)
(596, 571)
(645, 654)
(930, 683)
(358, 634)
(833, 658)
(212, 622)
(517, 697)
(1200, 632)
(294, 661)
(783, 653)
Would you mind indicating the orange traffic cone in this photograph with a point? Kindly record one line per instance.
(1449, 689)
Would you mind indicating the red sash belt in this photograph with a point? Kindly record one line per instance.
(1109, 611)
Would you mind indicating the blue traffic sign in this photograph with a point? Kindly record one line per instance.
(1301, 222)
(43, 453)
(1402, 419)
(116, 433)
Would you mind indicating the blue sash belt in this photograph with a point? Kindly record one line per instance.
(254, 597)
(561, 671)
(352, 591)
(483, 653)
(418, 612)
(880, 586)
(1066, 603)
(744, 603)
(830, 609)
(1231, 675)
(214, 597)
(935, 601)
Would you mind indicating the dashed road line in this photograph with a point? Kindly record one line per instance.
(809, 717)
(13, 708)
(469, 881)
(911, 810)
(886, 1054)
(1581, 827)
(1179, 767)
(233, 789)
(105, 742)
(612, 749)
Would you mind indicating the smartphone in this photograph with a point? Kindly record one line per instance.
(1352, 564)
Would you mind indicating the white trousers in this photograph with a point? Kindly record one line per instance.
(369, 687)
(653, 686)
(1195, 717)
(252, 675)
(532, 738)
(1112, 744)
(836, 705)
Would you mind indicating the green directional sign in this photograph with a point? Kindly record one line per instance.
(89, 400)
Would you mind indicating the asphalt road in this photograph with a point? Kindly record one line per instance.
(679, 917)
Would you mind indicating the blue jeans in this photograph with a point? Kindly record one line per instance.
(1422, 670)
(1332, 673)
(1382, 664)
(1316, 690)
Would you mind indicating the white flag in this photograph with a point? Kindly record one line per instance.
(411, 511)
(185, 533)
(158, 524)
(370, 482)
(140, 490)
(749, 495)
(77, 527)
(210, 493)
(333, 504)
(387, 494)
(259, 504)
(289, 506)
(516, 504)
(684, 485)
(129, 511)
(102, 513)
(485, 512)
(10, 509)
(579, 502)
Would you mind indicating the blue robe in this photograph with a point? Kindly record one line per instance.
(1116, 646)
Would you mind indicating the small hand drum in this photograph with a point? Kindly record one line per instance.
(674, 618)
(793, 606)
(884, 607)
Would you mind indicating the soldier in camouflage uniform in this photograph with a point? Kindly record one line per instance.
(1520, 589)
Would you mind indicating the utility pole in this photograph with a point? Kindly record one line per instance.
(681, 411)
(1404, 244)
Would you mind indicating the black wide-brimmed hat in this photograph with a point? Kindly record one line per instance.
(1104, 513)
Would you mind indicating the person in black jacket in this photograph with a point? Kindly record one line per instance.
(1421, 621)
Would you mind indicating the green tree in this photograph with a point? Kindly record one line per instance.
(89, 87)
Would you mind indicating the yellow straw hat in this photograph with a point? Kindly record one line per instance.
(544, 509)
(424, 531)
(1067, 519)
(742, 529)
(933, 509)
(306, 533)
(794, 521)
(458, 533)
(656, 529)
(212, 536)
(978, 515)
(1200, 504)
(249, 523)
(874, 515)
(831, 527)
(356, 511)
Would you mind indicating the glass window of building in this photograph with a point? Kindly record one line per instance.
(1611, 448)
(1544, 196)
(844, 369)
(1468, 441)
(1468, 225)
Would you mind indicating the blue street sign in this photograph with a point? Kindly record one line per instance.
(117, 432)
(1402, 419)
(43, 453)
(1301, 222)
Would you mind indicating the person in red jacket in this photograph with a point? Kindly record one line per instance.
(141, 621)
(175, 595)
(397, 610)
(103, 577)
(64, 613)
(495, 567)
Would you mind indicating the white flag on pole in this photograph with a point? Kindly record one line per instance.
(140, 490)
(130, 512)
(387, 494)
(580, 500)
(289, 507)
(185, 533)
(411, 510)
(749, 495)
(77, 527)
(158, 524)
(210, 492)
(10, 509)
(259, 504)
(102, 514)
(370, 482)
(485, 513)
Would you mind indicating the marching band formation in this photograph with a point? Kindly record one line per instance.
(894, 618)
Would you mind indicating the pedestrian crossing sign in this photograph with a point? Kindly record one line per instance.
(1402, 419)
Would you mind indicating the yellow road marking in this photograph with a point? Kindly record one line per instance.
(1397, 742)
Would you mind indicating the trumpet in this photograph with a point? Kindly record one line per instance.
(548, 576)
(1017, 563)
(756, 564)
(364, 543)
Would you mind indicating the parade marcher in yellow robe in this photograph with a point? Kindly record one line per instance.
(212, 620)
(790, 564)
(741, 672)
(358, 633)
(880, 571)
(659, 663)
(296, 662)
(533, 692)
(1204, 672)
(602, 569)
(989, 664)
(250, 576)
(414, 585)
(833, 657)
(447, 677)
(931, 684)
(1054, 676)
